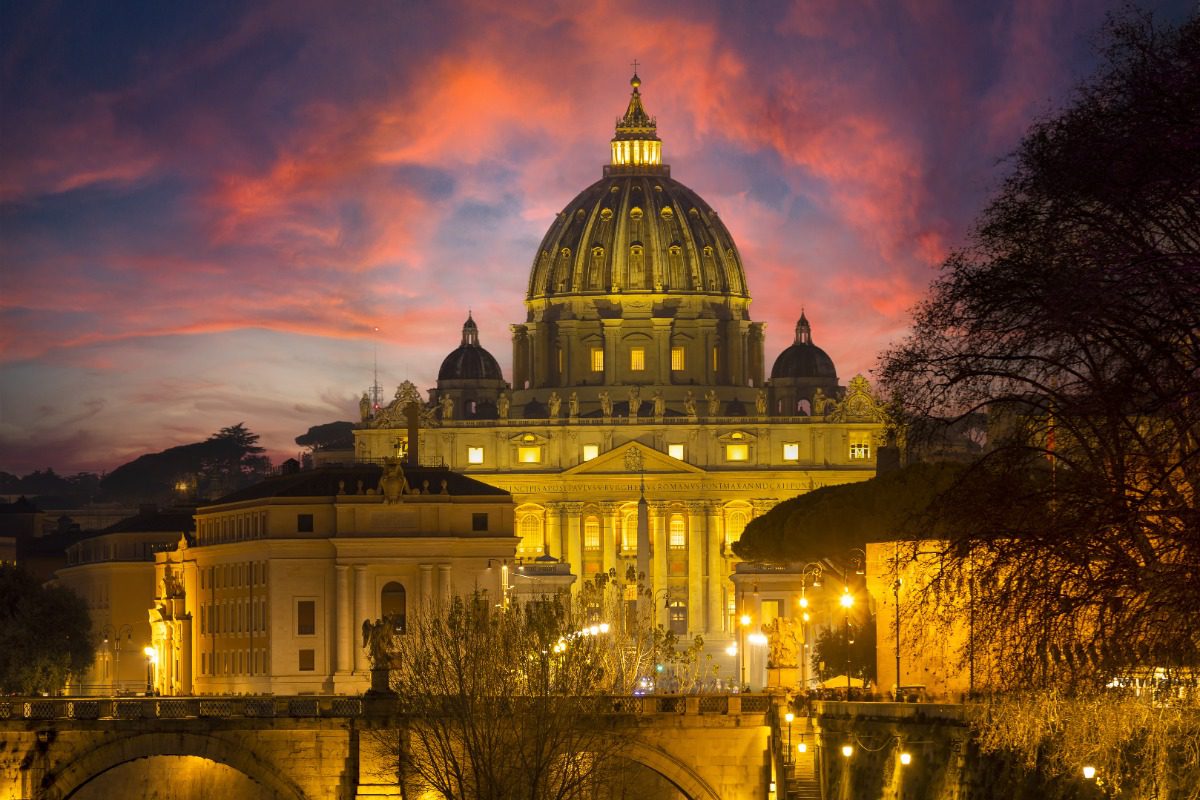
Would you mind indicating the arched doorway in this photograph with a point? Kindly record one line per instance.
(393, 603)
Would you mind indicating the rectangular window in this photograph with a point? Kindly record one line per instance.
(675, 451)
(597, 359)
(591, 534)
(474, 455)
(590, 451)
(479, 522)
(304, 523)
(637, 358)
(529, 455)
(737, 452)
(860, 445)
(677, 360)
(771, 611)
(306, 617)
(791, 451)
(308, 660)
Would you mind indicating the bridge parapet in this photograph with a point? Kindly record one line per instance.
(148, 708)
(301, 706)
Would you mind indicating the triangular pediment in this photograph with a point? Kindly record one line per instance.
(616, 461)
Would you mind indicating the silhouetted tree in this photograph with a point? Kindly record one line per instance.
(330, 436)
(45, 634)
(1071, 320)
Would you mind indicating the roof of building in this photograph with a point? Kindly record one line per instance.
(637, 230)
(469, 361)
(155, 520)
(327, 481)
(804, 359)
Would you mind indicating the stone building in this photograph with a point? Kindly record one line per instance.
(638, 365)
(273, 592)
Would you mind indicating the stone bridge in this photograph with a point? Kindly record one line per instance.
(709, 747)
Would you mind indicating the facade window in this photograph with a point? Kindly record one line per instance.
(529, 455)
(306, 617)
(479, 521)
(591, 533)
(308, 660)
(597, 359)
(629, 533)
(678, 617)
(474, 455)
(675, 451)
(530, 530)
(678, 532)
(737, 452)
(590, 451)
(393, 603)
(860, 445)
(304, 523)
(678, 363)
(735, 523)
(637, 358)
(791, 451)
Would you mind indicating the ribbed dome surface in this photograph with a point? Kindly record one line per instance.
(637, 233)
(804, 361)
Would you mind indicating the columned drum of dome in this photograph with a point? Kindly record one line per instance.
(637, 283)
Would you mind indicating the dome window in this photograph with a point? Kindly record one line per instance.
(635, 213)
(667, 213)
(606, 214)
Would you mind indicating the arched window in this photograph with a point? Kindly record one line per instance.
(735, 522)
(678, 532)
(591, 533)
(532, 539)
(629, 533)
(393, 602)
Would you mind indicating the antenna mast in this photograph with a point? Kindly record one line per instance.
(376, 389)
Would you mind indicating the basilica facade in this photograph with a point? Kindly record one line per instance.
(638, 371)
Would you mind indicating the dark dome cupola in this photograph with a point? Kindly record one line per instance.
(470, 376)
(800, 371)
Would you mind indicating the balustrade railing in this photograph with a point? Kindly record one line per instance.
(307, 706)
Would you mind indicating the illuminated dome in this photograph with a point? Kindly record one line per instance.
(636, 230)
(470, 361)
(804, 359)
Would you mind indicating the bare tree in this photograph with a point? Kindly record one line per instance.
(496, 703)
(1071, 320)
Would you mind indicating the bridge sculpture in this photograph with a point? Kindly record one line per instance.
(710, 747)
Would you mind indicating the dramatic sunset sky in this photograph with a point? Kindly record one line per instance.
(206, 208)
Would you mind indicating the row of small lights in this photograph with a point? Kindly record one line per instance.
(590, 630)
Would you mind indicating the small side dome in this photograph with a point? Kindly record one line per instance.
(470, 361)
(804, 359)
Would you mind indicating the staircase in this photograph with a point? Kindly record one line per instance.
(803, 782)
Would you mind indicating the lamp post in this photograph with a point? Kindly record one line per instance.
(814, 570)
(847, 601)
(896, 591)
(112, 640)
(151, 660)
(744, 622)
(788, 717)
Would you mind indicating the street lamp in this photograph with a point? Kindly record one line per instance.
(788, 717)
(112, 640)
(151, 662)
(847, 601)
(744, 621)
(896, 591)
(814, 570)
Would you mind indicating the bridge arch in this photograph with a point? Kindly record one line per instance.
(64, 782)
(681, 776)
